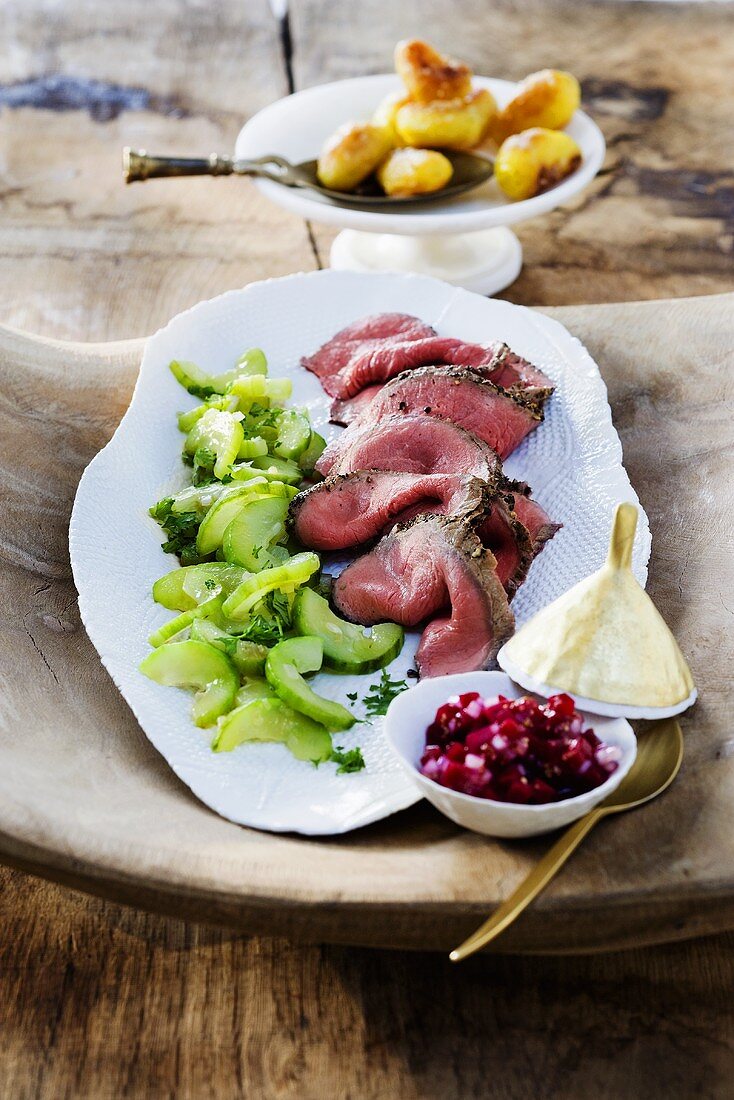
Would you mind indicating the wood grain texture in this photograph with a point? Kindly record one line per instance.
(81, 255)
(659, 219)
(99, 1003)
(85, 799)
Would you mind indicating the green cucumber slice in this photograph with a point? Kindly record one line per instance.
(255, 389)
(192, 378)
(271, 720)
(221, 514)
(347, 648)
(252, 361)
(211, 578)
(218, 432)
(288, 576)
(183, 589)
(279, 389)
(186, 420)
(249, 658)
(280, 489)
(250, 535)
(197, 665)
(245, 471)
(253, 448)
(198, 498)
(279, 469)
(286, 661)
(294, 435)
(201, 384)
(205, 630)
(314, 451)
(254, 687)
(211, 606)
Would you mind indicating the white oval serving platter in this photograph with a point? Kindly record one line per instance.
(573, 461)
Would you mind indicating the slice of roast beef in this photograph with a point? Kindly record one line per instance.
(500, 417)
(512, 372)
(348, 510)
(366, 336)
(497, 362)
(379, 347)
(502, 532)
(345, 410)
(421, 571)
(540, 526)
(418, 444)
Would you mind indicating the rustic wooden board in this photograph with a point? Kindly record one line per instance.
(84, 798)
(100, 1002)
(81, 255)
(657, 222)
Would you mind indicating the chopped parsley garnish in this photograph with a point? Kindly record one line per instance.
(381, 695)
(181, 528)
(352, 696)
(266, 418)
(228, 644)
(204, 460)
(270, 621)
(210, 583)
(261, 421)
(256, 551)
(349, 761)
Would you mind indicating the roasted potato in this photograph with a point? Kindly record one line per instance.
(428, 74)
(414, 172)
(386, 113)
(447, 124)
(351, 154)
(548, 99)
(534, 161)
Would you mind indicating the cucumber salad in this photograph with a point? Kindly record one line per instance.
(253, 620)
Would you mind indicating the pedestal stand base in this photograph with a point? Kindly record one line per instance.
(486, 261)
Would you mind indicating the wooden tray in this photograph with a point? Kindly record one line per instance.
(85, 800)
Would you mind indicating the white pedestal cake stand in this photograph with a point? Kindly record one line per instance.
(464, 240)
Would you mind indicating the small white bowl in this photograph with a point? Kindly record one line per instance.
(412, 712)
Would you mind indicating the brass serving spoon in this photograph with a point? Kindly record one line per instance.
(659, 756)
(469, 171)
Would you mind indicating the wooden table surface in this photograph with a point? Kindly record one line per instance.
(101, 1001)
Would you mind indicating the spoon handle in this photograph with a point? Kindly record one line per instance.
(139, 165)
(529, 888)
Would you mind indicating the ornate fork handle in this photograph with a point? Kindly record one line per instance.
(139, 166)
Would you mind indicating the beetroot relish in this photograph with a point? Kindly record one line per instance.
(515, 750)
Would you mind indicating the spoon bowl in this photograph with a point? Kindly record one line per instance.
(470, 171)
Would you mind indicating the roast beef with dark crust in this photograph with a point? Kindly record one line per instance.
(418, 444)
(540, 526)
(497, 362)
(348, 510)
(433, 568)
(512, 372)
(379, 347)
(501, 418)
(501, 531)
